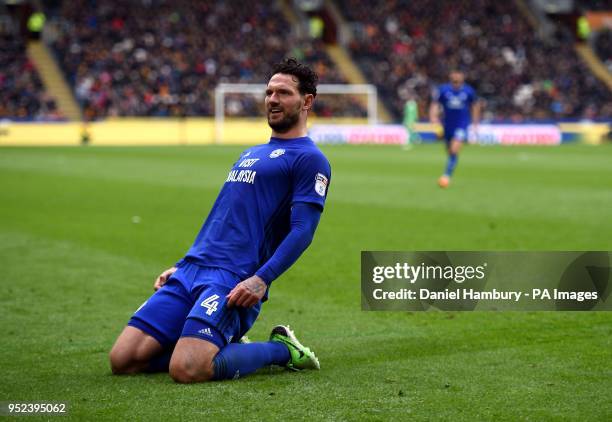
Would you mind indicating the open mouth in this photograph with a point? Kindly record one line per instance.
(275, 111)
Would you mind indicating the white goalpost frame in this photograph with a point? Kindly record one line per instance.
(242, 88)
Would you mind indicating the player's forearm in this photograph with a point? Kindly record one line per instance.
(434, 113)
(476, 113)
(304, 221)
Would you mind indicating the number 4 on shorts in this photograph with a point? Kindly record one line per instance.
(210, 303)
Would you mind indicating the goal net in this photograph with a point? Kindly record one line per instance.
(239, 101)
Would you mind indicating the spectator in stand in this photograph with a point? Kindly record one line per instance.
(22, 96)
(603, 47)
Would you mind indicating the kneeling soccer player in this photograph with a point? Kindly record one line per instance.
(263, 219)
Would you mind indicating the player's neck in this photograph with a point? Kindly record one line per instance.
(298, 131)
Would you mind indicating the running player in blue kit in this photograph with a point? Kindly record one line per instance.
(263, 219)
(460, 105)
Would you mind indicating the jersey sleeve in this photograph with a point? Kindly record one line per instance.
(304, 221)
(311, 178)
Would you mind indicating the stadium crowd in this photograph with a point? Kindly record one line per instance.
(22, 96)
(407, 47)
(164, 58)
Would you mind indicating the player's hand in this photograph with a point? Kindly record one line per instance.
(163, 277)
(247, 293)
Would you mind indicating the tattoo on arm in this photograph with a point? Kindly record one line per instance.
(254, 286)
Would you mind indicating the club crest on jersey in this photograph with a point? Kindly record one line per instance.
(277, 153)
(320, 184)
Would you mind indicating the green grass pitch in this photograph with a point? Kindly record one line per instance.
(76, 265)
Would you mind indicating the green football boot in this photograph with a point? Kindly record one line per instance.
(301, 357)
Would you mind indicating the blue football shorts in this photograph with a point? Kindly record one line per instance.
(458, 133)
(192, 303)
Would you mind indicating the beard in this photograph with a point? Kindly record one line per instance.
(288, 121)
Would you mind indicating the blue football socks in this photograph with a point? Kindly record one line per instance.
(450, 164)
(237, 360)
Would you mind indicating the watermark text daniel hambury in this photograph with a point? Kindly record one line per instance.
(446, 294)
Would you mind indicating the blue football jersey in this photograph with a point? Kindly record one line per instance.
(457, 105)
(251, 215)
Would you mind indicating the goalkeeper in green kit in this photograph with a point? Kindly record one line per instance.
(411, 116)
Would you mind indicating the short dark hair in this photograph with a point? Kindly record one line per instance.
(307, 78)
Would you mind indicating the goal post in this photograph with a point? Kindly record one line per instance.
(221, 91)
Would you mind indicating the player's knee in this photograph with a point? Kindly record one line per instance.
(119, 362)
(127, 361)
(186, 370)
